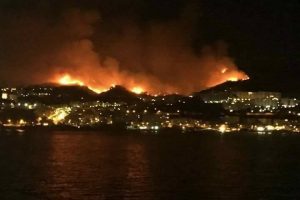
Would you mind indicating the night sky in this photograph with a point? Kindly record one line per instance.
(262, 36)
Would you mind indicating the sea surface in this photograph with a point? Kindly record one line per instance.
(121, 165)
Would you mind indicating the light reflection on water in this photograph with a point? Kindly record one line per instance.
(101, 166)
(90, 165)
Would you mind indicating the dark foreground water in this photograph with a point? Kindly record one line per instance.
(95, 165)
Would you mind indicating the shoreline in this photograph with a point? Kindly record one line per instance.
(114, 129)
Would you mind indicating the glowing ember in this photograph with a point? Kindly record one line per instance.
(224, 70)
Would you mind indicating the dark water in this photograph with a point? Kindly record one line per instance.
(91, 165)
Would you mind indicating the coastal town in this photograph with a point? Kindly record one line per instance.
(218, 110)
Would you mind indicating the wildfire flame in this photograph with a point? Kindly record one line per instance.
(165, 65)
(66, 79)
(137, 90)
(224, 75)
(156, 59)
(233, 75)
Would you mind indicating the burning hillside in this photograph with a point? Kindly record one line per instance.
(160, 61)
(139, 88)
(77, 49)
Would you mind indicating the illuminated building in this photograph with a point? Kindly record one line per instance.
(4, 96)
(289, 102)
(257, 95)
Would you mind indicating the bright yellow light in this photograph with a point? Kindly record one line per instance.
(59, 115)
(4, 96)
(137, 90)
(233, 78)
(22, 122)
(222, 128)
(270, 128)
(260, 128)
(67, 80)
